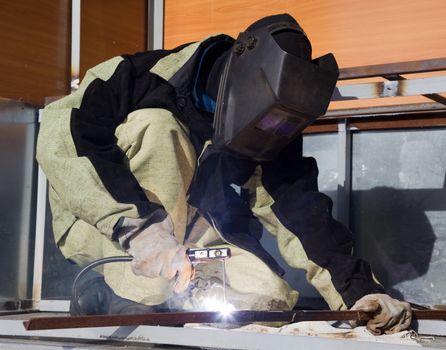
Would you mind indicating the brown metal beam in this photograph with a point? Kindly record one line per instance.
(180, 318)
(410, 67)
(408, 122)
(434, 97)
(402, 109)
(380, 122)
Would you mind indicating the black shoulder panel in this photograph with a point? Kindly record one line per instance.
(104, 106)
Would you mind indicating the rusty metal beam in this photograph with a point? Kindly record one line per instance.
(394, 88)
(379, 122)
(408, 122)
(382, 110)
(434, 97)
(180, 318)
(433, 65)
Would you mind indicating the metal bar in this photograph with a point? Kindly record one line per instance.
(417, 121)
(432, 65)
(382, 110)
(344, 172)
(40, 234)
(395, 88)
(409, 120)
(181, 318)
(321, 128)
(150, 29)
(155, 24)
(75, 43)
(434, 97)
(24, 257)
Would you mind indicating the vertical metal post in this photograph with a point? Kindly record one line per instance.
(75, 43)
(155, 24)
(25, 219)
(40, 235)
(345, 170)
(41, 178)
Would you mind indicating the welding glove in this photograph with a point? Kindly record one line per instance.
(389, 315)
(157, 253)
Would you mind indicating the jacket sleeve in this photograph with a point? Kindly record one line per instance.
(77, 149)
(308, 235)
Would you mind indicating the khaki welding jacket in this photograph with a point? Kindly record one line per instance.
(89, 180)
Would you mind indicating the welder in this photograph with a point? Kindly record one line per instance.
(196, 147)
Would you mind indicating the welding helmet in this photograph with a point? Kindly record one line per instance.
(270, 89)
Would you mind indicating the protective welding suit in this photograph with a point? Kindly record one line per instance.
(129, 172)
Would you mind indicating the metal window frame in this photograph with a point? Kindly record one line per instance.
(155, 24)
(344, 171)
(75, 43)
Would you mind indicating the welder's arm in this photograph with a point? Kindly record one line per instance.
(78, 152)
(342, 279)
(310, 238)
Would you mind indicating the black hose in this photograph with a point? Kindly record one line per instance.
(107, 260)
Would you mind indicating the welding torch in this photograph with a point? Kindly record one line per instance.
(195, 255)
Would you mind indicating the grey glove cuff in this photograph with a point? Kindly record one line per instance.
(127, 228)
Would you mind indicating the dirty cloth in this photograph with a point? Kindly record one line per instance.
(325, 330)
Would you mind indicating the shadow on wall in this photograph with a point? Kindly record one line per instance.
(396, 236)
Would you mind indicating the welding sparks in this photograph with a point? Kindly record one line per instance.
(213, 304)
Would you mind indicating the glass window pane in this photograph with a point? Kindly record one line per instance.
(398, 210)
(17, 204)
